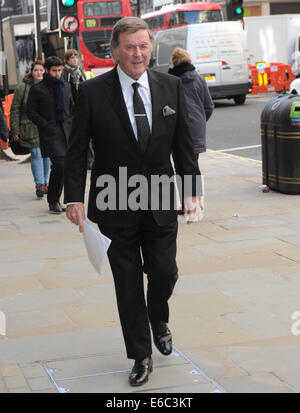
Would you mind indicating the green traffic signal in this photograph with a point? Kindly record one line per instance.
(239, 10)
(68, 3)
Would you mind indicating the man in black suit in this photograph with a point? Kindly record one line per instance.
(137, 119)
(49, 106)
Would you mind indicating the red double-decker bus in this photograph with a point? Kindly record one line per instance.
(183, 14)
(96, 20)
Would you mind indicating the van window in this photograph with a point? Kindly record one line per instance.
(166, 43)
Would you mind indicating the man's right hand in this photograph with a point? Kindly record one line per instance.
(16, 137)
(75, 213)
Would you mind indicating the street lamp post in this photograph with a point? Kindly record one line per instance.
(138, 8)
(4, 61)
(37, 23)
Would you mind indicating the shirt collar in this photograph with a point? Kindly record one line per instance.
(127, 81)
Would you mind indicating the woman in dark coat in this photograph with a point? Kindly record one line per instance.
(26, 132)
(199, 102)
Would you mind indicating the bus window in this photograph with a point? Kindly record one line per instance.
(156, 22)
(174, 19)
(166, 43)
(98, 43)
(199, 16)
(102, 8)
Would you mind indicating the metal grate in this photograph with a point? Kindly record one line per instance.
(183, 360)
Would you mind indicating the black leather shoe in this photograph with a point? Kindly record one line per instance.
(140, 373)
(55, 208)
(62, 207)
(162, 337)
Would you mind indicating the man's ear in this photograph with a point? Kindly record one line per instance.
(115, 54)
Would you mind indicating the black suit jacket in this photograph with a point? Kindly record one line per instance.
(41, 109)
(100, 112)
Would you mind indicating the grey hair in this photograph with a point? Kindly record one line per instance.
(128, 24)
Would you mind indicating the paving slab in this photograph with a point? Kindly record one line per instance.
(264, 358)
(37, 299)
(55, 346)
(101, 372)
(256, 383)
(289, 376)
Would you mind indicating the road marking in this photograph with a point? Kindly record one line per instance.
(230, 155)
(240, 148)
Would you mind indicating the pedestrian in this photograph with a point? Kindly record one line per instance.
(3, 131)
(137, 118)
(50, 106)
(72, 72)
(199, 102)
(26, 132)
(47, 46)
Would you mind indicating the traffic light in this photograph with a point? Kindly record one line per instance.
(237, 9)
(68, 19)
(234, 9)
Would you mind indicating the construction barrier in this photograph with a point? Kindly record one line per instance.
(6, 104)
(274, 78)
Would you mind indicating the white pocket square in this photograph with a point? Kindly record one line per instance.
(167, 111)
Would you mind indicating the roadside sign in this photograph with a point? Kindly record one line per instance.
(69, 24)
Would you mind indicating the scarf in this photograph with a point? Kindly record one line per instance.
(58, 88)
(181, 68)
(76, 74)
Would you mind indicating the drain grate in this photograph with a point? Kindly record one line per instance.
(186, 373)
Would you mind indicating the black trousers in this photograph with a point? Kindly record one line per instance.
(151, 249)
(56, 180)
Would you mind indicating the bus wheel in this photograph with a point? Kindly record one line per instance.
(239, 99)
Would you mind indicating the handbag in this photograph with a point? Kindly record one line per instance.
(16, 146)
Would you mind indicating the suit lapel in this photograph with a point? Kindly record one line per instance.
(115, 95)
(156, 103)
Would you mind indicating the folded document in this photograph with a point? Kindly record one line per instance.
(96, 245)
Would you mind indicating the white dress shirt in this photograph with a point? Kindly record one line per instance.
(127, 89)
(144, 91)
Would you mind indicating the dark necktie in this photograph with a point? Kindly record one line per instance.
(142, 124)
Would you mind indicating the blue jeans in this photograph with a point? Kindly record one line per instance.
(40, 167)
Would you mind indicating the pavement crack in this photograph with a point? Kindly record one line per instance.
(287, 258)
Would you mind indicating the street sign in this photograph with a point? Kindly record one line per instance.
(69, 24)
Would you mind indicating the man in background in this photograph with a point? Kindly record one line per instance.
(49, 106)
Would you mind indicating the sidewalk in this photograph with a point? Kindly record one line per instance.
(230, 313)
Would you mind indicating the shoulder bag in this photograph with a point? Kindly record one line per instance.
(16, 146)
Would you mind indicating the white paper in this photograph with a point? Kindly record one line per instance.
(96, 245)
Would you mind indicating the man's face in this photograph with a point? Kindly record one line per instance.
(134, 53)
(55, 71)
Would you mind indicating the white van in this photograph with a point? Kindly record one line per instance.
(218, 51)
